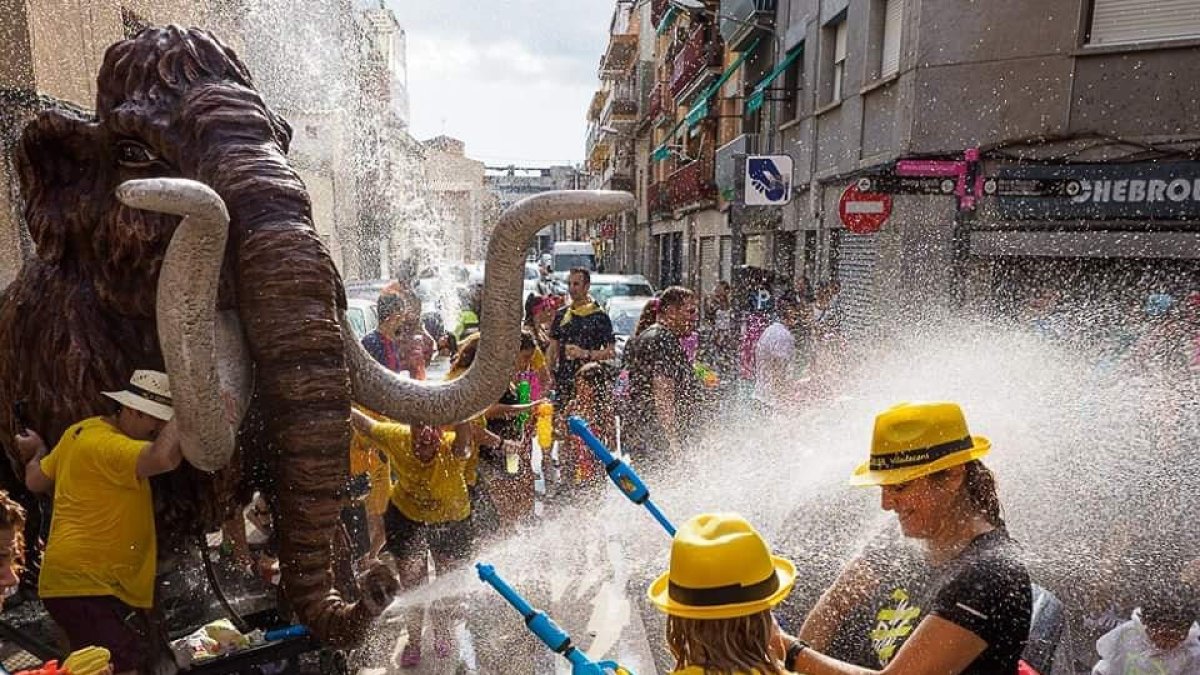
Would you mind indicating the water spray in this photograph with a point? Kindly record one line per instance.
(544, 628)
(622, 475)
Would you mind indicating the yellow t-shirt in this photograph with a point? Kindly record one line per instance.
(427, 492)
(102, 533)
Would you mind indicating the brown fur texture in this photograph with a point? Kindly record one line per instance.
(80, 316)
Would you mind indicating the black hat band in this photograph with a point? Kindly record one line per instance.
(149, 395)
(918, 456)
(732, 594)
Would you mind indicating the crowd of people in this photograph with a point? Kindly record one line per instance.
(426, 498)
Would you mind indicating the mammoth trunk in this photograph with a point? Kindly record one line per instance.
(289, 296)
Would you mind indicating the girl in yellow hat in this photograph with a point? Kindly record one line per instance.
(966, 607)
(718, 594)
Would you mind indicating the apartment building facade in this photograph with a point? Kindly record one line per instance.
(1022, 144)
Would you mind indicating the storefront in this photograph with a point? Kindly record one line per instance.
(1088, 233)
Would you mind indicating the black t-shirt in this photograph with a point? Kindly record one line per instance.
(589, 328)
(657, 351)
(985, 590)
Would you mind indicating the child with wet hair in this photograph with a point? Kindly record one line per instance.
(1162, 637)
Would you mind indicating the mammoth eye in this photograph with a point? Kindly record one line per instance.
(132, 154)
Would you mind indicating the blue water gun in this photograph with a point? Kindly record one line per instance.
(544, 628)
(622, 475)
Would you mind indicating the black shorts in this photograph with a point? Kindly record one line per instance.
(408, 538)
(105, 621)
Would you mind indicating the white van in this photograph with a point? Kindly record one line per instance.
(569, 254)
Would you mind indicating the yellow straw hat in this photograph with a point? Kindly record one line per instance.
(721, 568)
(917, 439)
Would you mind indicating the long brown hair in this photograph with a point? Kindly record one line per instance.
(725, 646)
(979, 485)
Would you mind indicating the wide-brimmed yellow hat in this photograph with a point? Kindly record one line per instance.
(721, 568)
(917, 439)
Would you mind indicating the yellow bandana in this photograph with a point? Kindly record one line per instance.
(572, 312)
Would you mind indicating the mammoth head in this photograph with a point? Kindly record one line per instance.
(171, 102)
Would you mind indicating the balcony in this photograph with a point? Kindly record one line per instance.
(622, 43)
(620, 108)
(658, 8)
(739, 18)
(691, 185)
(656, 200)
(597, 104)
(618, 173)
(698, 56)
(598, 147)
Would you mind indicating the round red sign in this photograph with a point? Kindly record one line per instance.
(864, 212)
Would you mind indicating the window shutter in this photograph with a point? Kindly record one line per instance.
(893, 15)
(1116, 22)
(839, 43)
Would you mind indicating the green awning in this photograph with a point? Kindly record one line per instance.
(667, 19)
(755, 100)
(699, 109)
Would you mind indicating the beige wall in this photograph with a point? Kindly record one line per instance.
(455, 182)
(54, 48)
(68, 38)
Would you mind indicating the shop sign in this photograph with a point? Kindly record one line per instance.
(1139, 191)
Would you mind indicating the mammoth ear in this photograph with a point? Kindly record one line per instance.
(62, 179)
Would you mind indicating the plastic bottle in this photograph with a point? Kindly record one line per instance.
(545, 425)
(285, 632)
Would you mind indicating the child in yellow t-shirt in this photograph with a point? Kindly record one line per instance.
(428, 514)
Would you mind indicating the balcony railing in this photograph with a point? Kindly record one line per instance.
(656, 199)
(698, 54)
(657, 9)
(743, 19)
(621, 105)
(691, 184)
(654, 107)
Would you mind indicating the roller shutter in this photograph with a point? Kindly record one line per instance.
(857, 254)
(1116, 22)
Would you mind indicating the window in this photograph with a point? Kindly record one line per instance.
(889, 44)
(833, 50)
(793, 82)
(1117, 22)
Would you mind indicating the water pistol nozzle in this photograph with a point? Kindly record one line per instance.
(544, 628)
(621, 474)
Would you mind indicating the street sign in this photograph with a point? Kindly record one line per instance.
(910, 185)
(768, 180)
(863, 212)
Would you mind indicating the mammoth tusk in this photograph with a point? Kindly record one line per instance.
(186, 313)
(500, 318)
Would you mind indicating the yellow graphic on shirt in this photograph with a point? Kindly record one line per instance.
(894, 622)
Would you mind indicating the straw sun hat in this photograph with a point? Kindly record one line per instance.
(149, 391)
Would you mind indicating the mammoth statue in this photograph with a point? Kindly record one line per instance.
(171, 232)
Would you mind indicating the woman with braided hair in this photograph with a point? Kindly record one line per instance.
(961, 606)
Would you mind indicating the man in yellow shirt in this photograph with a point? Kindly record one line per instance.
(97, 578)
(428, 514)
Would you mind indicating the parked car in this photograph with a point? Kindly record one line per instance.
(624, 313)
(608, 286)
(361, 315)
(367, 289)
